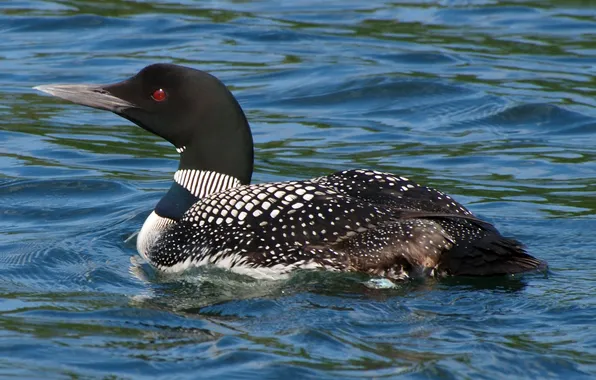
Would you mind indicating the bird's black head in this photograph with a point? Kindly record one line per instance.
(190, 108)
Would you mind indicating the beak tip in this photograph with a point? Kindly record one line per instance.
(41, 88)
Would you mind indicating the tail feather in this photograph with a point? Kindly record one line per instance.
(490, 256)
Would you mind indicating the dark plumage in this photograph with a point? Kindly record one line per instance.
(354, 220)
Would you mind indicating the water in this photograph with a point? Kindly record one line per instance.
(492, 101)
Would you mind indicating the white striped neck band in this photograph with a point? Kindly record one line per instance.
(202, 183)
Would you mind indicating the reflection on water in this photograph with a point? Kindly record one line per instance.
(491, 101)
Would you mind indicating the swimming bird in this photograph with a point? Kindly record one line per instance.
(357, 220)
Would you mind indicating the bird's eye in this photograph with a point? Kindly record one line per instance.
(159, 95)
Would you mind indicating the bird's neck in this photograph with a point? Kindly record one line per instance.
(221, 143)
(219, 155)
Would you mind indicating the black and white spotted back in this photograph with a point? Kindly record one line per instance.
(351, 220)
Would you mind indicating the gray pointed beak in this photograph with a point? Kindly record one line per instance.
(88, 95)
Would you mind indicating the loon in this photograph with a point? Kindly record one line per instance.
(353, 221)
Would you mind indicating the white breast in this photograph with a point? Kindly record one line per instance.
(152, 229)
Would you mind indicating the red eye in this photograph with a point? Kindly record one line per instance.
(159, 95)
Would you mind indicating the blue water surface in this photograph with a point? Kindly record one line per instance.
(493, 101)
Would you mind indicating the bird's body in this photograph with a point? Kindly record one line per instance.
(353, 220)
